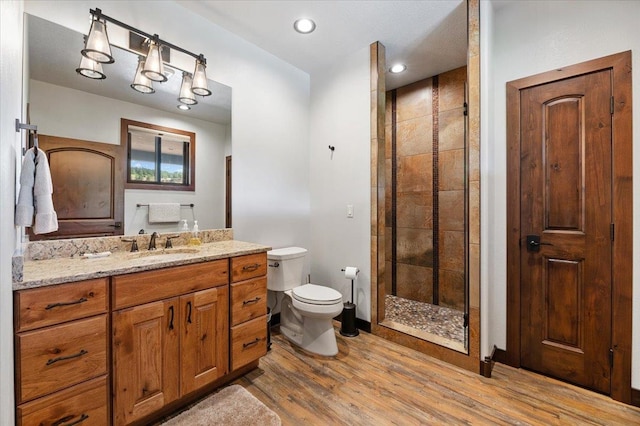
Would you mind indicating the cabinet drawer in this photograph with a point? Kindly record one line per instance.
(143, 287)
(250, 266)
(248, 300)
(248, 342)
(86, 404)
(40, 307)
(56, 357)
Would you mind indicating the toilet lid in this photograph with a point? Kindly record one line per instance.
(316, 294)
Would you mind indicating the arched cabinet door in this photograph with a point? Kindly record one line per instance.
(88, 189)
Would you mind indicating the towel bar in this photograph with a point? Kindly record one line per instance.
(181, 205)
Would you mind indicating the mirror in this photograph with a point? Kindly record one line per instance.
(64, 104)
(425, 293)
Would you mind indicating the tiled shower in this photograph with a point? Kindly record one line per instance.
(425, 204)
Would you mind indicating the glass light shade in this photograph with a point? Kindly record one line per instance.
(199, 85)
(141, 83)
(97, 46)
(153, 66)
(186, 95)
(90, 69)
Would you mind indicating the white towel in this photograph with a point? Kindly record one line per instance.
(164, 212)
(36, 194)
(24, 208)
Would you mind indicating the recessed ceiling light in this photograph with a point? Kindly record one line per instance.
(304, 26)
(184, 107)
(397, 68)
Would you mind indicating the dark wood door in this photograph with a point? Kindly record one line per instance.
(88, 187)
(566, 201)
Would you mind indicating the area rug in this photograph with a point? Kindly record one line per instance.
(231, 406)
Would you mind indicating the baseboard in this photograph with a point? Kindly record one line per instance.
(486, 365)
(360, 323)
(499, 355)
(275, 319)
(363, 325)
(635, 397)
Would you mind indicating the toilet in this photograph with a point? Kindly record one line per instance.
(307, 310)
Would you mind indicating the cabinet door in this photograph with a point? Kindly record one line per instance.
(205, 337)
(145, 359)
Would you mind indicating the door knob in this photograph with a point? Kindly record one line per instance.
(533, 243)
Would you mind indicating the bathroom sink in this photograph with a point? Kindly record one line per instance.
(162, 252)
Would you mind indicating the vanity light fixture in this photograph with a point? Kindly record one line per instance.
(97, 43)
(199, 85)
(140, 82)
(397, 68)
(186, 95)
(97, 50)
(90, 69)
(304, 26)
(153, 66)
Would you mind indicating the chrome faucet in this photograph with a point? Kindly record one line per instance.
(152, 241)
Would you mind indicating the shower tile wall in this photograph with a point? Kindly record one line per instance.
(414, 198)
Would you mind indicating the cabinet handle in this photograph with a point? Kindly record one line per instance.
(57, 305)
(60, 422)
(253, 342)
(251, 268)
(64, 358)
(171, 319)
(254, 300)
(189, 315)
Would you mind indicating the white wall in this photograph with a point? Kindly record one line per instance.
(59, 111)
(270, 106)
(11, 107)
(530, 37)
(340, 117)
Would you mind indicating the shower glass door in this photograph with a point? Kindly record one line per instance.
(425, 210)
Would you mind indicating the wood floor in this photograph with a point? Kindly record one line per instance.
(376, 382)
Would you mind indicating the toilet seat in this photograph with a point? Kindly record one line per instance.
(316, 295)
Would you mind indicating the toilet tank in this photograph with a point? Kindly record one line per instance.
(285, 266)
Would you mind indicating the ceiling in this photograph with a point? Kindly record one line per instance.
(429, 36)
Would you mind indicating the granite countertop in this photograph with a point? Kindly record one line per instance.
(40, 273)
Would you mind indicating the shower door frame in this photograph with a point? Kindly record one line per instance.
(470, 360)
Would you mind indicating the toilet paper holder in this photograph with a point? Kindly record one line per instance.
(351, 276)
(348, 327)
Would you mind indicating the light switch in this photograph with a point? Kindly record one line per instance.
(350, 210)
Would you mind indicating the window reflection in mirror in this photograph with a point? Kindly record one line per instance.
(159, 157)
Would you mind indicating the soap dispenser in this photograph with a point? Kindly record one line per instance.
(195, 238)
(185, 227)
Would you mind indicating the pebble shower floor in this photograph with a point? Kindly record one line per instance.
(439, 320)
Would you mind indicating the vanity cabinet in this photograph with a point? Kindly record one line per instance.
(248, 309)
(62, 349)
(134, 346)
(173, 340)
